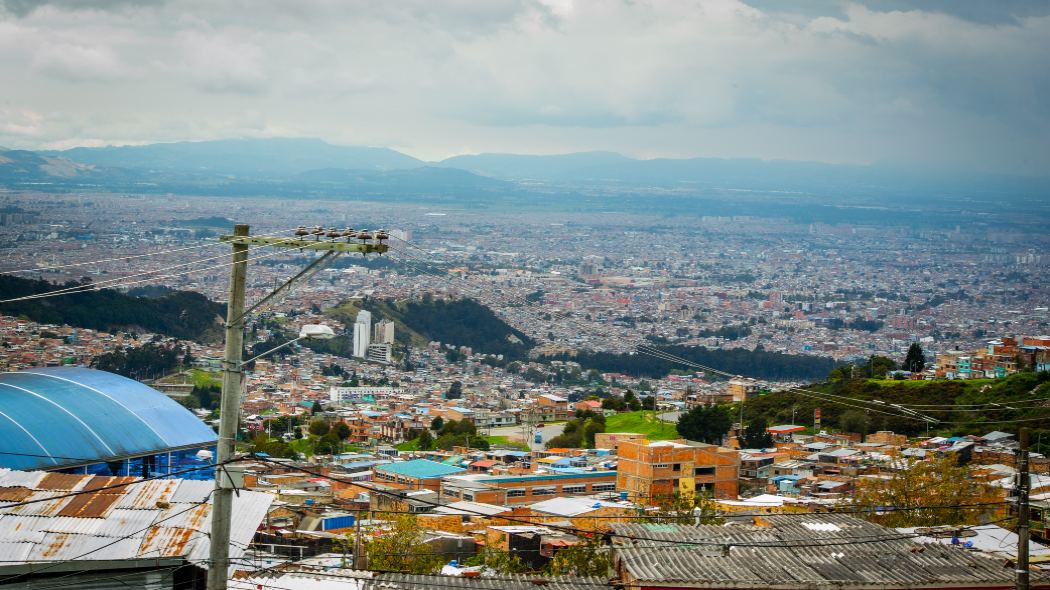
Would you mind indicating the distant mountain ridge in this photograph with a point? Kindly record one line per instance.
(267, 157)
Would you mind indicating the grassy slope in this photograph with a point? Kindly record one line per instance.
(642, 422)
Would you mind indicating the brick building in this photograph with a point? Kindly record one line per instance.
(654, 471)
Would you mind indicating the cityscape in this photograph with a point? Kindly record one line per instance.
(547, 336)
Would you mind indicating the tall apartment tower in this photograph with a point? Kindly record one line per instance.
(384, 332)
(362, 333)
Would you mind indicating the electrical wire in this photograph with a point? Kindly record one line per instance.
(119, 282)
(113, 486)
(209, 244)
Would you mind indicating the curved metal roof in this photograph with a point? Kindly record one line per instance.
(60, 416)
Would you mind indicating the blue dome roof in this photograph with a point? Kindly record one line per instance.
(60, 416)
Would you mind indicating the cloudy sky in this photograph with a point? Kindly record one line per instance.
(935, 83)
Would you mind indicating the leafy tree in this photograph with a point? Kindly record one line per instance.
(425, 441)
(501, 562)
(437, 424)
(401, 548)
(328, 445)
(686, 509)
(855, 421)
(707, 424)
(614, 402)
(925, 493)
(630, 400)
(755, 435)
(455, 390)
(316, 407)
(342, 430)
(588, 558)
(915, 360)
(319, 427)
(649, 402)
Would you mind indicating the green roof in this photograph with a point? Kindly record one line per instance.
(420, 469)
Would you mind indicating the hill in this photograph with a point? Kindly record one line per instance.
(242, 157)
(182, 314)
(21, 166)
(461, 322)
(1031, 389)
(760, 364)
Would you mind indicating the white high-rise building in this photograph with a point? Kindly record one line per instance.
(362, 333)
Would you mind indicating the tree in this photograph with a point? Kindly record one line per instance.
(500, 562)
(630, 400)
(915, 360)
(328, 445)
(855, 421)
(401, 548)
(755, 435)
(455, 391)
(707, 424)
(588, 558)
(342, 430)
(319, 427)
(315, 408)
(686, 509)
(425, 441)
(649, 402)
(437, 423)
(925, 493)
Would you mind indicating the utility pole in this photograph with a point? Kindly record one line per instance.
(229, 412)
(222, 502)
(1023, 485)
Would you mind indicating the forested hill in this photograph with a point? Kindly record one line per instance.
(182, 314)
(462, 322)
(962, 407)
(760, 364)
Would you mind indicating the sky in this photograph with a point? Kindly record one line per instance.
(944, 84)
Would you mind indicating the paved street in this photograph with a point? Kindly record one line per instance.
(514, 433)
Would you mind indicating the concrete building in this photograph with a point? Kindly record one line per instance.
(384, 332)
(379, 353)
(362, 333)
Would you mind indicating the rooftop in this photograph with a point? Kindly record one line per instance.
(420, 469)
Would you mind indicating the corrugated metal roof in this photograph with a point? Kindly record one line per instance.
(785, 552)
(138, 520)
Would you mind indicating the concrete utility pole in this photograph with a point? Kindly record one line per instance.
(1024, 482)
(222, 502)
(229, 412)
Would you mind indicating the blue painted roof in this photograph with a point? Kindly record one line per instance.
(420, 468)
(59, 416)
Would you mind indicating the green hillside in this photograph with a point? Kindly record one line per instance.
(1026, 391)
(645, 422)
(182, 314)
(462, 322)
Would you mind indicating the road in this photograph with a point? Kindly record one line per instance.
(670, 416)
(514, 433)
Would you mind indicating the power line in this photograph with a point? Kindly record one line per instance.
(119, 282)
(116, 259)
(110, 487)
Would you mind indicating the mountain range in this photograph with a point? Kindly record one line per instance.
(308, 168)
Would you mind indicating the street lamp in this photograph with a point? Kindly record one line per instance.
(307, 332)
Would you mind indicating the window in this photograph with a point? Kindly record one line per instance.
(677, 467)
(603, 487)
(468, 497)
(543, 491)
(573, 489)
(515, 493)
(704, 471)
(661, 466)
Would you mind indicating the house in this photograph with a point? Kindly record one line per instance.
(653, 471)
(416, 474)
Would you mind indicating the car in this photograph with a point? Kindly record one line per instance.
(540, 425)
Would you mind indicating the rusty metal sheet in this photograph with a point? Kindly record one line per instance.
(193, 491)
(89, 505)
(69, 546)
(42, 504)
(185, 516)
(14, 494)
(27, 479)
(168, 541)
(148, 494)
(104, 481)
(61, 481)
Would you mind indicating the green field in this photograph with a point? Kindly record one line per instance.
(644, 422)
(506, 442)
(970, 383)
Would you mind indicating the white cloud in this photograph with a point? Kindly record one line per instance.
(648, 77)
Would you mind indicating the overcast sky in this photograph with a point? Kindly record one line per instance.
(946, 83)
